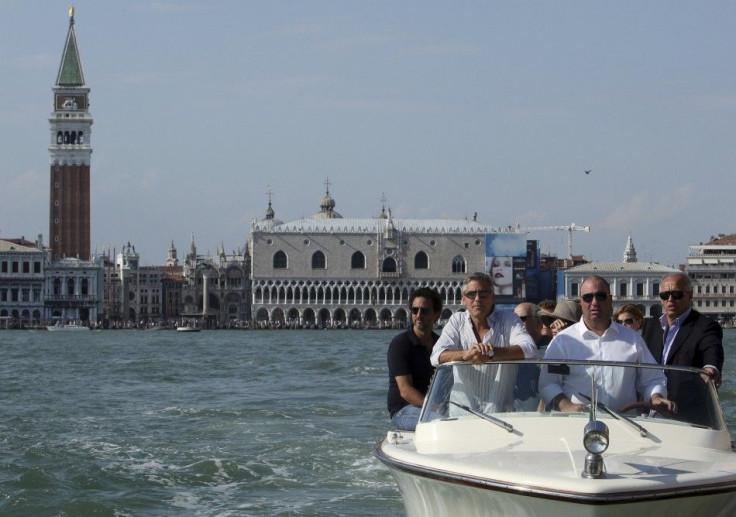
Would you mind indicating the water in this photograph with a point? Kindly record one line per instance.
(256, 423)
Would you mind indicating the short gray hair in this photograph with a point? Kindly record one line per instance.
(478, 276)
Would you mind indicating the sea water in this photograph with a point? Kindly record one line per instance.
(129, 423)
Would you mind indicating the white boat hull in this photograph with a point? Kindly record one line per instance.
(462, 462)
(431, 497)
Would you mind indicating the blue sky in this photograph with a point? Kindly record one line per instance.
(446, 108)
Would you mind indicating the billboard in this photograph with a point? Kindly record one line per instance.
(506, 263)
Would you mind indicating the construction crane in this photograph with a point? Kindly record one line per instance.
(569, 229)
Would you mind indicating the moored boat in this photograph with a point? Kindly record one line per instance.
(187, 328)
(66, 327)
(478, 451)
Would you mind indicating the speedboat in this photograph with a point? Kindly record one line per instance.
(480, 450)
(187, 328)
(66, 326)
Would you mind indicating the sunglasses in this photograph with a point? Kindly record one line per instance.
(421, 310)
(677, 295)
(483, 294)
(627, 321)
(600, 296)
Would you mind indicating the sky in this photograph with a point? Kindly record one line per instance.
(442, 109)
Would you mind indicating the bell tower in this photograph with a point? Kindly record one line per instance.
(70, 152)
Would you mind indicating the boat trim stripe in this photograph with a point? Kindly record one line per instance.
(531, 491)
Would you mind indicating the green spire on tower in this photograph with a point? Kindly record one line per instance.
(70, 70)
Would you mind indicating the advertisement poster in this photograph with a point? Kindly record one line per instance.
(506, 259)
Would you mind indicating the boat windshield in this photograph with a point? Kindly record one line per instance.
(625, 390)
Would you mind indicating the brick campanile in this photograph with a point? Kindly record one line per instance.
(70, 152)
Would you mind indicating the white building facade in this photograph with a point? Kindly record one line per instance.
(712, 270)
(73, 290)
(631, 282)
(22, 273)
(330, 271)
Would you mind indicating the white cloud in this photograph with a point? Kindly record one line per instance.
(647, 209)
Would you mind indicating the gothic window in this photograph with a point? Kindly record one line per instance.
(70, 287)
(66, 137)
(358, 260)
(389, 265)
(85, 286)
(421, 261)
(59, 137)
(279, 260)
(74, 137)
(318, 260)
(458, 264)
(57, 286)
(80, 137)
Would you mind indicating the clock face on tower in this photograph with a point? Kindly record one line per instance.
(70, 102)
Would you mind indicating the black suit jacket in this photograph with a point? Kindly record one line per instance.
(699, 341)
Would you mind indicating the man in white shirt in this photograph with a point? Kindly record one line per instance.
(480, 334)
(597, 337)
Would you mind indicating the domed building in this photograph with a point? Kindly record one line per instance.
(331, 271)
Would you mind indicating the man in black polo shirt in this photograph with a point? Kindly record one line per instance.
(409, 369)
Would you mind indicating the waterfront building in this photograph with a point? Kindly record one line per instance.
(210, 292)
(73, 290)
(173, 282)
(327, 270)
(140, 288)
(70, 151)
(112, 298)
(631, 281)
(22, 274)
(215, 292)
(712, 270)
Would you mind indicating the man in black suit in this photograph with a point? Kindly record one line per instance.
(684, 337)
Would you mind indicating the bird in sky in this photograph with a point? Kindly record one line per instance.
(588, 172)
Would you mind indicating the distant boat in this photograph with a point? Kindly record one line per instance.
(187, 328)
(66, 326)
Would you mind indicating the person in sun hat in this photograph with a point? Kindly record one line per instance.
(565, 314)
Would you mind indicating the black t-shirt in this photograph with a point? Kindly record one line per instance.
(407, 356)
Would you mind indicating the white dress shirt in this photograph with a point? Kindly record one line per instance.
(616, 386)
(486, 388)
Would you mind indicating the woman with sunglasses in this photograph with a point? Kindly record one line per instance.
(629, 315)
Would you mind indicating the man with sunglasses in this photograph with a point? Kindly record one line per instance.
(409, 368)
(480, 334)
(683, 336)
(596, 337)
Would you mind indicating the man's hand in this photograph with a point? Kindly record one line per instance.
(713, 374)
(564, 404)
(659, 400)
(478, 353)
